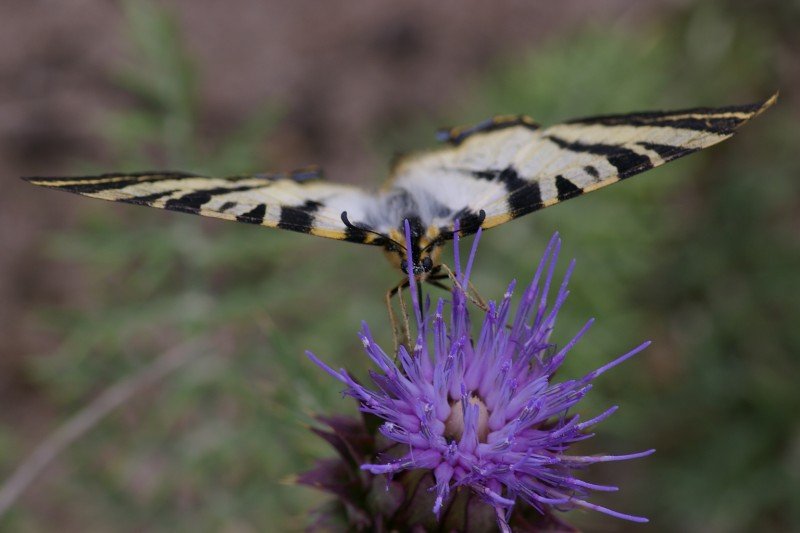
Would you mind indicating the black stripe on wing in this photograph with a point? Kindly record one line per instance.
(523, 196)
(667, 152)
(720, 120)
(106, 182)
(254, 216)
(300, 217)
(193, 201)
(626, 161)
(111, 181)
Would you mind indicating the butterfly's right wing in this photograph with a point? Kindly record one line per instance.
(299, 201)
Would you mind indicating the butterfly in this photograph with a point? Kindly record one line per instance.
(485, 175)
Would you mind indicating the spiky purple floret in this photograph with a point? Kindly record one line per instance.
(513, 426)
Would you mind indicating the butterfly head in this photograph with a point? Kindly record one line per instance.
(426, 248)
(425, 244)
(423, 261)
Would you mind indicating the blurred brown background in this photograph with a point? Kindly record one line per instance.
(346, 83)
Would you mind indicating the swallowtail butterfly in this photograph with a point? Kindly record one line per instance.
(485, 175)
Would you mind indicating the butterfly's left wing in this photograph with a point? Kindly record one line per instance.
(508, 166)
(299, 201)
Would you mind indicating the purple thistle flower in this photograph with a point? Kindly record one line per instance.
(483, 413)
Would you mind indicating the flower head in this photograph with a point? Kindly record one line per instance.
(481, 415)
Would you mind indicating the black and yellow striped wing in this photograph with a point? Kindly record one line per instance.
(509, 166)
(300, 201)
(488, 174)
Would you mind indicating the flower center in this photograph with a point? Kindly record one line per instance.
(454, 425)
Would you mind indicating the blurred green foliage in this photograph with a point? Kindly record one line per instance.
(701, 256)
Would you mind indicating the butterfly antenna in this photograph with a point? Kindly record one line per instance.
(383, 237)
(463, 232)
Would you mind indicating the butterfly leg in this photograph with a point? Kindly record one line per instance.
(480, 301)
(397, 290)
(438, 275)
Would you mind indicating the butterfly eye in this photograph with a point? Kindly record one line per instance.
(427, 264)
